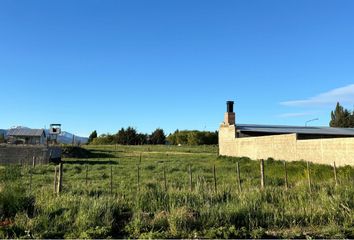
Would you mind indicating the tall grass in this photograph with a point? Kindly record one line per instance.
(91, 211)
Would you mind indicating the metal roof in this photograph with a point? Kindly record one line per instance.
(295, 129)
(26, 132)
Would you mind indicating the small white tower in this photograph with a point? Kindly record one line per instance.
(54, 131)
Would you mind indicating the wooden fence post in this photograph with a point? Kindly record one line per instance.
(50, 156)
(55, 179)
(30, 184)
(86, 175)
(33, 161)
(309, 176)
(60, 182)
(190, 179)
(138, 178)
(238, 176)
(286, 176)
(335, 173)
(111, 179)
(262, 174)
(215, 184)
(164, 178)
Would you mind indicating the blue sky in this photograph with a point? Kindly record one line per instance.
(172, 64)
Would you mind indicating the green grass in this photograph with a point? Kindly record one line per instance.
(91, 211)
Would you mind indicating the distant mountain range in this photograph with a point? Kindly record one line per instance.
(64, 137)
(67, 138)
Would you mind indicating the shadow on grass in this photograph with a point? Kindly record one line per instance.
(99, 154)
(104, 150)
(78, 152)
(91, 162)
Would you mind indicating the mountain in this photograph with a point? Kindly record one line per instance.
(64, 137)
(67, 138)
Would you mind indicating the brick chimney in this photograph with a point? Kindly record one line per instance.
(230, 118)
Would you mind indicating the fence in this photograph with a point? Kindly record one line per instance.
(58, 177)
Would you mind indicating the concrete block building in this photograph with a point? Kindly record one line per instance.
(324, 145)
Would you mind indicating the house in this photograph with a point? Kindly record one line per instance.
(324, 145)
(27, 136)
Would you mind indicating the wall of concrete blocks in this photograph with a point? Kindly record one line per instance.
(286, 147)
(18, 154)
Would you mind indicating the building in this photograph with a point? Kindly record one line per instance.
(324, 145)
(27, 136)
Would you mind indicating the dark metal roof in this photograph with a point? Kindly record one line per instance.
(279, 129)
(26, 132)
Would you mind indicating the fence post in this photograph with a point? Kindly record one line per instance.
(238, 176)
(86, 175)
(55, 179)
(50, 156)
(335, 173)
(33, 161)
(164, 178)
(286, 176)
(30, 184)
(111, 179)
(215, 184)
(60, 182)
(262, 174)
(190, 179)
(309, 176)
(138, 178)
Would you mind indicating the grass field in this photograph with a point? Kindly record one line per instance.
(163, 205)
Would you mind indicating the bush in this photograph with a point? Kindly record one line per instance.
(193, 137)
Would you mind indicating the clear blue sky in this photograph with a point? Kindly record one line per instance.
(172, 64)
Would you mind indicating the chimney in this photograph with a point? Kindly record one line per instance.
(230, 115)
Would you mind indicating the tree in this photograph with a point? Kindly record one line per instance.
(194, 137)
(142, 138)
(172, 138)
(158, 137)
(92, 136)
(127, 136)
(104, 139)
(341, 117)
(2, 137)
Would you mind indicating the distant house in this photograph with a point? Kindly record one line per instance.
(27, 136)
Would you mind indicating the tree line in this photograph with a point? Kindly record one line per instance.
(130, 136)
(340, 117)
(193, 137)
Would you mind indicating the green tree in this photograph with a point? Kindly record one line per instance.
(194, 137)
(172, 139)
(127, 136)
(341, 117)
(92, 136)
(158, 137)
(142, 138)
(103, 139)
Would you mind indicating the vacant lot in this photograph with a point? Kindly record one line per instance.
(174, 192)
